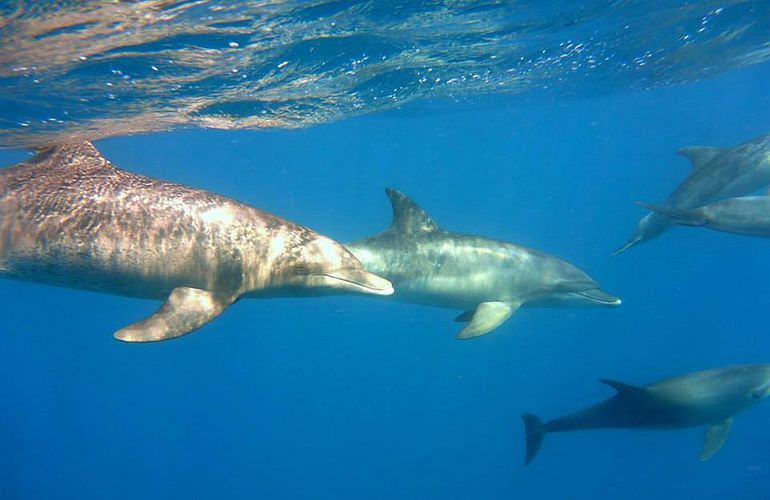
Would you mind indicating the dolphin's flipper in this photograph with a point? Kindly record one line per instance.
(699, 155)
(716, 435)
(487, 317)
(185, 310)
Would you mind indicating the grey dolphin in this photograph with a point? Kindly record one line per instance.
(716, 174)
(748, 215)
(489, 278)
(708, 398)
(68, 217)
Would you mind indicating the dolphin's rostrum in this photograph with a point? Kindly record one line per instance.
(489, 279)
(68, 217)
(709, 398)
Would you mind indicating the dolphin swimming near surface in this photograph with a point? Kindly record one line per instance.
(490, 279)
(717, 173)
(708, 398)
(68, 217)
(748, 215)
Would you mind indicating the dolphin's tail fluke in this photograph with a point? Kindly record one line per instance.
(685, 217)
(536, 430)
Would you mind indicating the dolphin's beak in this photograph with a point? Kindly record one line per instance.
(600, 297)
(632, 241)
(355, 280)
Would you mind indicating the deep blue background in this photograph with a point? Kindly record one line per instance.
(352, 397)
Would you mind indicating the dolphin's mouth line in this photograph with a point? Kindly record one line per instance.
(628, 244)
(381, 291)
(597, 295)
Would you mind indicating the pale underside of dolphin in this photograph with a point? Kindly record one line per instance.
(489, 279)
(710, 399)
(68, 217)
(717, 174)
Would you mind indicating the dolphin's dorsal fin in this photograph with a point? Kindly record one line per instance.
(408, 217)
(623, 389)
(68, 154)
(86, 148)
(699, 155)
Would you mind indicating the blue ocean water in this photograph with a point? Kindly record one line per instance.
(356, 397)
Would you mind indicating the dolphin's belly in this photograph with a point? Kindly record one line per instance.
(751, 218)
(452, 291)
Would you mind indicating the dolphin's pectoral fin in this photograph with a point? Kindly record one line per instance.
(487, 317)
(699, 155)
(185, 310)
(716, 435)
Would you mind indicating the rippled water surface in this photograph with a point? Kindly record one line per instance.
(92, 69)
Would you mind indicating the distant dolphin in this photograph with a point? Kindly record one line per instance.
(749, 215)
(68, 217)
(709, 398)
(716, 174)
(489, 278)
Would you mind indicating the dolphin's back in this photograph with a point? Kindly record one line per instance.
(730, 172)
(69, 217)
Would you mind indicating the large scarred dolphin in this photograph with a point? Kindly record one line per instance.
(717, 173)
(68, 217)
(488, 278)
(709, 398)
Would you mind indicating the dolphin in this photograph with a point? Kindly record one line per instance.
(68, 217)
(717, 173)
(748, 215)
(708, 398)
(490, 279)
